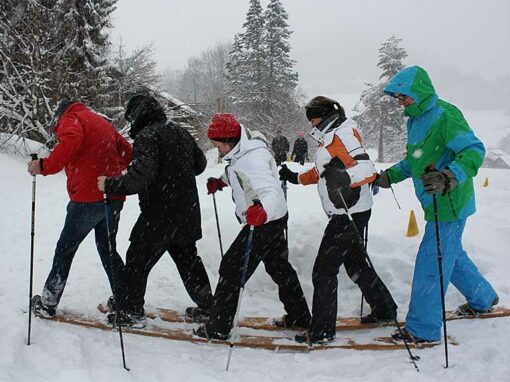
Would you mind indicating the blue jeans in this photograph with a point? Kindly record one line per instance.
(424, 318)
(80, 220)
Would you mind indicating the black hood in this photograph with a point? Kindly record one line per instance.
(142, 111)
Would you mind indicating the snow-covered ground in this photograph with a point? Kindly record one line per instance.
(61, 352)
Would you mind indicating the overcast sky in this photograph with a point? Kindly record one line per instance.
(464, 44)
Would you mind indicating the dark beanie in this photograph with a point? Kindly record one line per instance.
(323, 107)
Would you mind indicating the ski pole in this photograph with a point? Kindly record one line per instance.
(431, 168)
(441, 283)
(360, 241)
(32, 237)
(366, 250)
(243, 281)
(217, 224)
(115, 295)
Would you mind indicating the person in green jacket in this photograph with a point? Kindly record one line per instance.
(442, 157)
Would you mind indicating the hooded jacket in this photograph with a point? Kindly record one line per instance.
(437, 134)
(166, 160)
(88, 147)
(252, 174)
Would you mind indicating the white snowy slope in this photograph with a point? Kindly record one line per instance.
(61, 352)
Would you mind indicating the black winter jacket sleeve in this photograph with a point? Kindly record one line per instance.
(141, 171)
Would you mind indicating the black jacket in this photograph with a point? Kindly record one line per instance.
(280, 146)
(166, 160)
(300, 150)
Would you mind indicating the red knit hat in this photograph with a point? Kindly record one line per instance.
(224, 126)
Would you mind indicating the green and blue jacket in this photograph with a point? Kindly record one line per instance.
(437, 134)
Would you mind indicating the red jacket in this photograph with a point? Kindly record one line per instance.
(88, 146)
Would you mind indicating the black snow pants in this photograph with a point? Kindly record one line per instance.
(270, 247)
(340, 245)
(141, 257)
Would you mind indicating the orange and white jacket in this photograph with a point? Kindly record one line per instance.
(344, 142)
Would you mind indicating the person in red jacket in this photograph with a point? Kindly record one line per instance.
(88, 146)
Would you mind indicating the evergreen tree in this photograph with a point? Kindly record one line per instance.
(50, 49)
(246, 66)
(381, 118)
(280, 82)
(84, 23)
(259, 74)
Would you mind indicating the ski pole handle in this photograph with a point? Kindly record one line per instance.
(34, 156)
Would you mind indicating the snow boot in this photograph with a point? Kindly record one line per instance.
(202, 332)
(400, 335)
(127, 320)
(196, 314)
(111, 304)
(313, 339)
(288, 323)
(378, 319)
(467, 310)
(42, 310)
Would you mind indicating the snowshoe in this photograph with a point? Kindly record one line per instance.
(128, 320)
(288, 323)
(403, 335)
(376, 319)
(202, 332)
(468, 310)
(42, 310)
(313, 339)
(196, 314)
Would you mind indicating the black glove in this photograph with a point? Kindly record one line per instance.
(438, 182)
(383, 180)
(287, 175)
(338, 184)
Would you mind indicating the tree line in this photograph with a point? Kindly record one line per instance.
(51, 49)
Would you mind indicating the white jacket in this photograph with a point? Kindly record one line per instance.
(252, 174)
(343, 142)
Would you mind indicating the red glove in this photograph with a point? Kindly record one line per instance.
(215, 184)
(256, 215)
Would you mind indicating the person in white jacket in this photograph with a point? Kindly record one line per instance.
(342, 172)
(252, 174)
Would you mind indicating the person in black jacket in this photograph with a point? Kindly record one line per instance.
(280, 146)
(300, 150)
(166, 160)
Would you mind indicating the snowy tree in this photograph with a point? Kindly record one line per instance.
(280, 81)
(84, 24)
(260, 77)
(202, 83)
(247, 65)
(129, 73)
(50, 49)
(382, 118)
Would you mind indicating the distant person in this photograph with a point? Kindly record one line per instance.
(252, 174)
(300, 150)
(166, 160)
(443, 155)
(281, 147)
(88, 146)
(343, 171)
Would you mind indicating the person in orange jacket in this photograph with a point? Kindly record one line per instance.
(342, 172)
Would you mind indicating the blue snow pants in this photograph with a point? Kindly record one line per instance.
(424, 318)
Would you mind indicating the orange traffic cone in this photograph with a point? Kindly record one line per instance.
(412, 227)
(486, 183)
